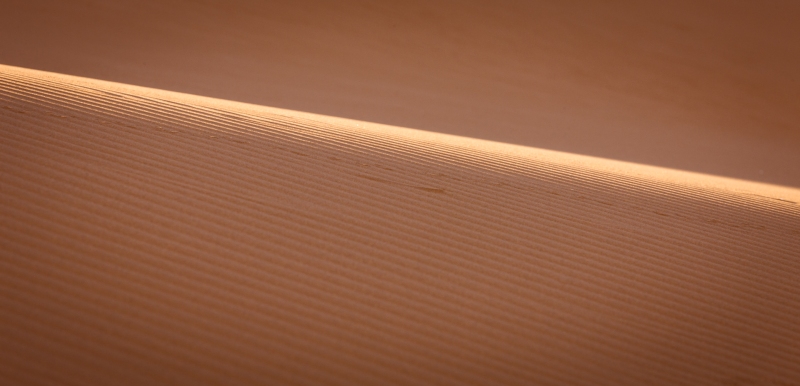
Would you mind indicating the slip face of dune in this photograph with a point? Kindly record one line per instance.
(157, 238)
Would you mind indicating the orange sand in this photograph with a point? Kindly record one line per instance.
(150, 237)
(157, 238)
(709, 86)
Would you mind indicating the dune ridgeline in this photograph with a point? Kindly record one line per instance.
(152, 237)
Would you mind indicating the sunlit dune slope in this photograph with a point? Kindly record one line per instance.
(708, 86)
(149, 237)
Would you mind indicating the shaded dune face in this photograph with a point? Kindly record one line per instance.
(153, 238)
(708, 86)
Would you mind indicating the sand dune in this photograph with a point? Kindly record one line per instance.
(150, 237)
(709, 86)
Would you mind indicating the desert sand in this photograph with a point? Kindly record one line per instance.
(152, 237)
(709, 86)
(171, 220)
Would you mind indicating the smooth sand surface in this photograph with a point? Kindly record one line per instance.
(150, 237)
(698, 85)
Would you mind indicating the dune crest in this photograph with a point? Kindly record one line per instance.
(708, 86)
(151, 237)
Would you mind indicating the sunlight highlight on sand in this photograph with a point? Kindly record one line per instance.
(150, 237)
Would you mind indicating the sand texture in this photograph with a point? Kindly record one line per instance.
(151, 237)
(709, 86)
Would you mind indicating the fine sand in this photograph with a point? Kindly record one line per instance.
(593, 192)
(150, 237)
(708, 86)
